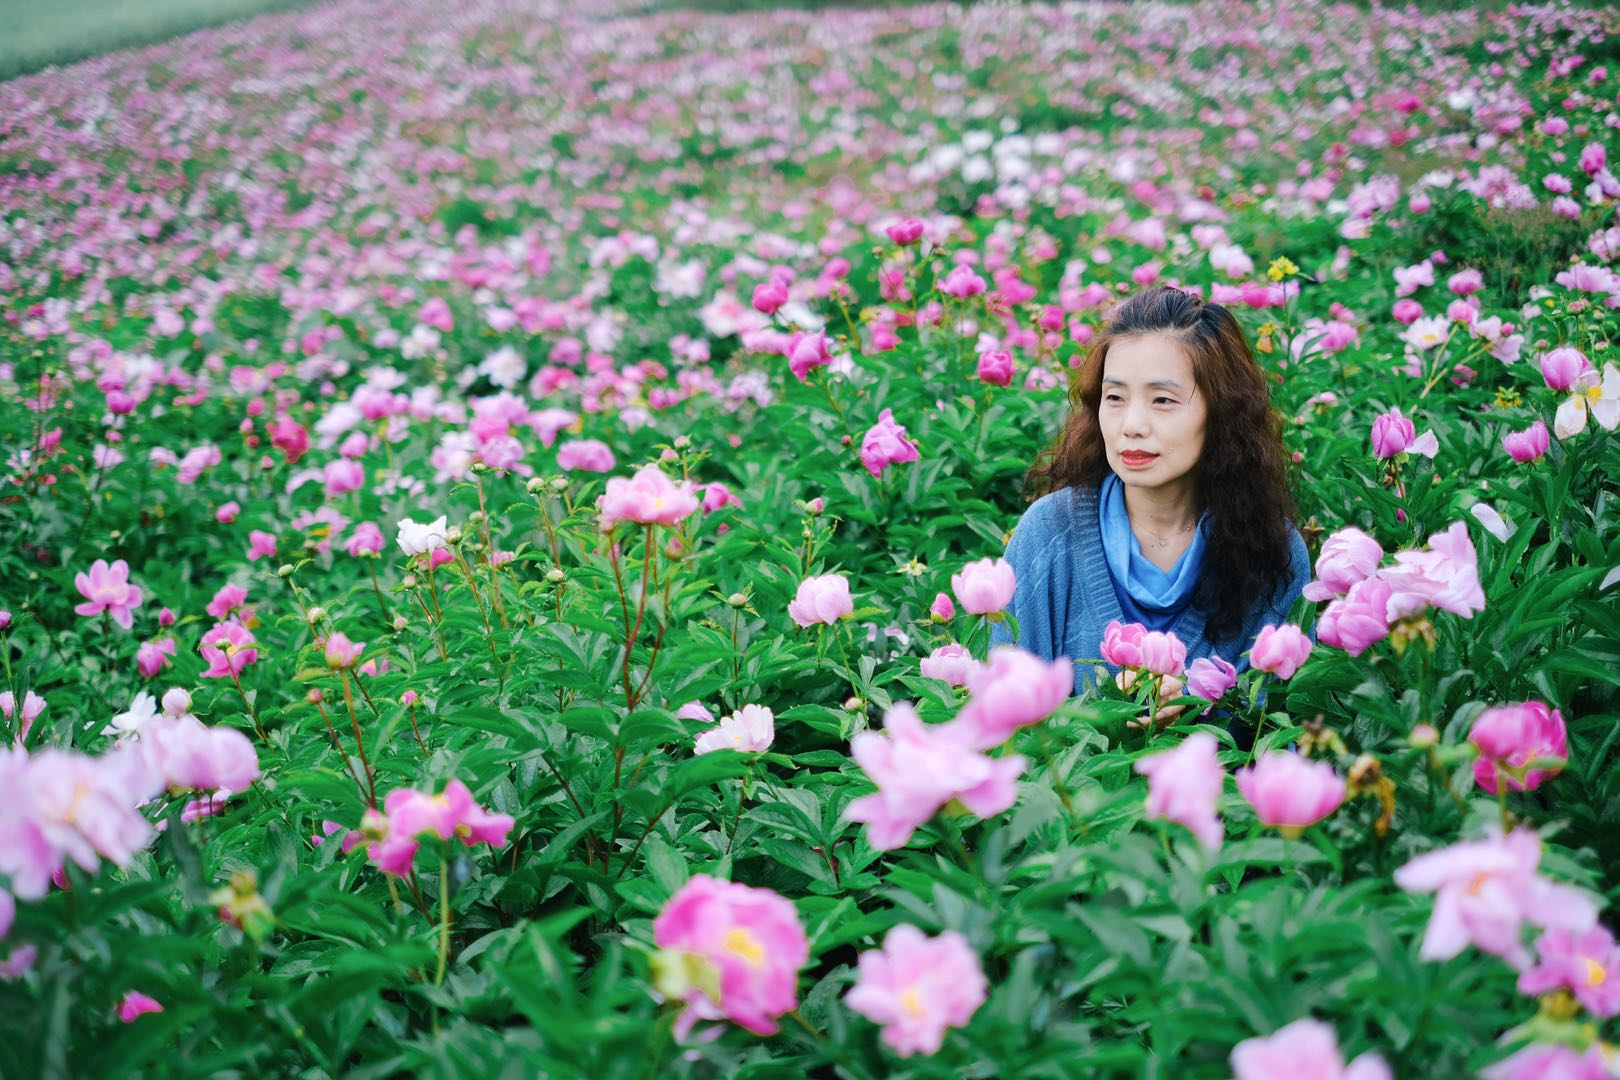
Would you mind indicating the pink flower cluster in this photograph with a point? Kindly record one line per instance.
(411, 814)
(1132, 645)
(1367, 599)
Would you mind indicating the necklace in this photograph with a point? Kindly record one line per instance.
(1164, 541)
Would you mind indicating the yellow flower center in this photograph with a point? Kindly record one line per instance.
(739, 942)
(1596, 974)
(911, 1002)
(1594, 393)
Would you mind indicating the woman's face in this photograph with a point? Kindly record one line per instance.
(1152, 414)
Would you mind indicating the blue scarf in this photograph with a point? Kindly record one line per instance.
(1147, 594)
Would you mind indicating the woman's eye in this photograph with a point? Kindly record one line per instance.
(1164, 401)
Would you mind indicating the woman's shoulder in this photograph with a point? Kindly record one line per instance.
(1059, 511)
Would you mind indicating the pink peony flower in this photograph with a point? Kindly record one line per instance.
(729, 952)
(1184, 786)
(751, 730)
(695, 710)
(107, 588)
(1407, 312)
(1132, 645)
(1510, 737)
(1593, 158)
(585, 455)
(942, 610)
(228, 647)
(1446, 576)
(950, 663)
(1290, 792)
(906, 232)
(343, 475)
(985, 587)
(1357, 621)
(1394, 434)
(717, 496)
(1464, 282)
(436, 313)
(227, 512)
(32, 706)
(807, 351)
(885, 444)
(962, 283)
(1529, 444)
(8, 912)
(450, 814)
(1348, 556)
(341, 652)
(996, 368)
(226, 600)
(918, 769)
(1485, 891)
(917, 987)
(135, 1003)
(1587, 965)
(261, 545)
(186, 753)
(822, 599)
(61, 804)
(1551, 1062)
(769, 296)
(1210, 678)
(367, 539)
(647, 498)
(1561, 367)
(1280, 650)
(1013, 689)
(1304, 1050)
(153, 656)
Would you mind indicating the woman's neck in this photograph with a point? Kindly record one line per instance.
(1163, 511)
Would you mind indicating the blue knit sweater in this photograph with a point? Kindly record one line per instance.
(1065, 596)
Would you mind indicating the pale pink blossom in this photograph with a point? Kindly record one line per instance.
(917, 987)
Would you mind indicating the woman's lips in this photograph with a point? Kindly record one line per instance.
(1137, 458)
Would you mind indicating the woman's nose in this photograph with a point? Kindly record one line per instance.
(1135, 421)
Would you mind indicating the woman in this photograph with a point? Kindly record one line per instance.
(1167, 502)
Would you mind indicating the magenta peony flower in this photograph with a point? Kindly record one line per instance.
(228, 647)
(1184, 786)
(769, 296)
(1587, 965)
(1290, 792)
(1407, 311)
(985, 587)
(1510, 737)
(717, 496)
(1529, 444)
(134, 1004)
(648, 498)
(1280, 650)
(1122, 644)
(1348, 556)
(107, 588)
(729, 952)
(751, 730)
(1394, 434)
(917, 987)
(452, 813)
(950, 663)
(436, 313)
(885, 444)
(822, 599)
(1210, 677)
(226, 600)
(1486, 890)
(1304, 1050)
(996, 368)
(585, 455)
(942, 610)
(1014, 689)
(1132, 645)
(261, 545)
(1446, 576)
(918, 769)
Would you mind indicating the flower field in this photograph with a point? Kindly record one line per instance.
(506, 511)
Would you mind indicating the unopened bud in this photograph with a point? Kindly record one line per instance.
(556, 576)
(559, 483)
(410, 581)
(401, 622)
(682, 442)
(315, 697)
(535, 486)
(478, 468)
(475, 517)
(315, 614)
(854, 704)
(284, 570)
(452, 535)
(1423, 737)
(737, 600)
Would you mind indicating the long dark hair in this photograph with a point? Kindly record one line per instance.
(1241, 476)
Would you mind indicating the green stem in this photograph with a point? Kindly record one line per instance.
(444, 919)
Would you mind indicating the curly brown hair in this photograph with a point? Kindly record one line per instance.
(1241, 474)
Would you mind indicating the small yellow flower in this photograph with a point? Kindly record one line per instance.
(1507, 398)
(1280, 268)
(914, 568)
